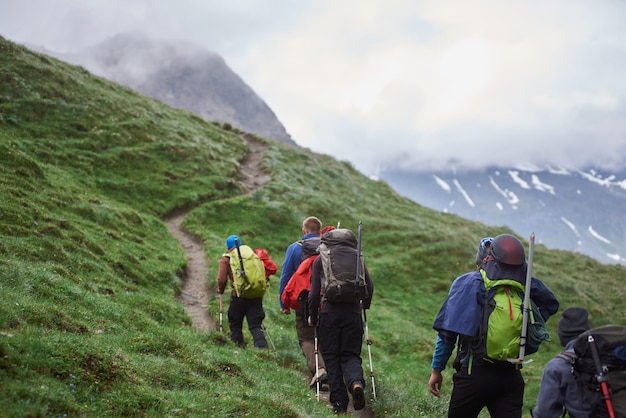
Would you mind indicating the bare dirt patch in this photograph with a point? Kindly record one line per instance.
(195, 293)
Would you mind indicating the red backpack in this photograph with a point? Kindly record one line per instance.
(300, 282)
(270, 266)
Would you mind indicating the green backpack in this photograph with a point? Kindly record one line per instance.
(504, 317)
(501, 327)
(249, 283)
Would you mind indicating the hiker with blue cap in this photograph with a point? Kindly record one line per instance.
(249, 279)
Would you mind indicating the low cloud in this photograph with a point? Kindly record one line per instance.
(418, 86)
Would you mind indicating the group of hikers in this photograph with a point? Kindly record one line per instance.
(494, 316)
(334, 289)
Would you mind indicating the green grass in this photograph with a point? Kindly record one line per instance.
(89, 322)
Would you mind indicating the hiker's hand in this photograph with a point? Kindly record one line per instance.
(286, 311)
(434, 383)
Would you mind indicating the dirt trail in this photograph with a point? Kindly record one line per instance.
(196, 293)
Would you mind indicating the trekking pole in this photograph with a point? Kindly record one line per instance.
(221, 327)
(369, 351)
(244, 276)
(362, 286)
(601, 378)
(526, 306)
(360, 283)
(317, 364)
(269, 338)
(358, 255)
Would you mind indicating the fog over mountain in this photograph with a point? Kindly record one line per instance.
(417, 85)
(182, 75)
(579, 210)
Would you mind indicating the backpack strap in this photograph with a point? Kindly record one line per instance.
(569, 356)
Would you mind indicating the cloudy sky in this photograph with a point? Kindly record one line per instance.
(396, 83)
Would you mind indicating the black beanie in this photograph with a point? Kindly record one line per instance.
(574, 321)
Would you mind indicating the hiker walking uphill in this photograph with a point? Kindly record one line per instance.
(484, 315)
(558, 391)
(296, 253)
(347, 289)
(249, 280)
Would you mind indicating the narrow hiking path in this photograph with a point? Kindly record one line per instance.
(196, 292)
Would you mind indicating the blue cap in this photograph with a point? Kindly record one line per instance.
(230, 242)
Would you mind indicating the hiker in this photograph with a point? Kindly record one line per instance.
(482, 381)
(600, 369)
(295, 254)
(248, 305)
(340, 323)
(558, 390)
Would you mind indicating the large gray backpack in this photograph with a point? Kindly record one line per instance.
(339, 253)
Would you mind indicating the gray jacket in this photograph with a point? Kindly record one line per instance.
(558, 390)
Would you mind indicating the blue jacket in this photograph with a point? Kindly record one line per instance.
(461, 312)
(290, 265)
(558, 390)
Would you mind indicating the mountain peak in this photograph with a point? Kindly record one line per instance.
(183, 75)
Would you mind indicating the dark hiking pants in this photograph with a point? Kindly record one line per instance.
(341, 339)
(252, 310)
(499, 388)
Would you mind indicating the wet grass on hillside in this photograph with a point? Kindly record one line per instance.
(90, 324)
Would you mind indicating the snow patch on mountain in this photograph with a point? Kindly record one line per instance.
(571, 226)
(465, 195)
(536, 182)
(510, 196)
(541, 186)
(442, 183)
(598, 236)
(558, 171)
(609, 181)
(517, 179)
(616, 257)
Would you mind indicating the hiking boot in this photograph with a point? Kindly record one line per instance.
(321, 376)
(340, 410)
(358, 396)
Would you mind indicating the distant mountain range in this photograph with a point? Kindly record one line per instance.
(576, 210)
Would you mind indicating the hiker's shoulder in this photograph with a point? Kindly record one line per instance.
(469, 279)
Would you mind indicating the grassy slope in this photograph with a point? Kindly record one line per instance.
(89, 323)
